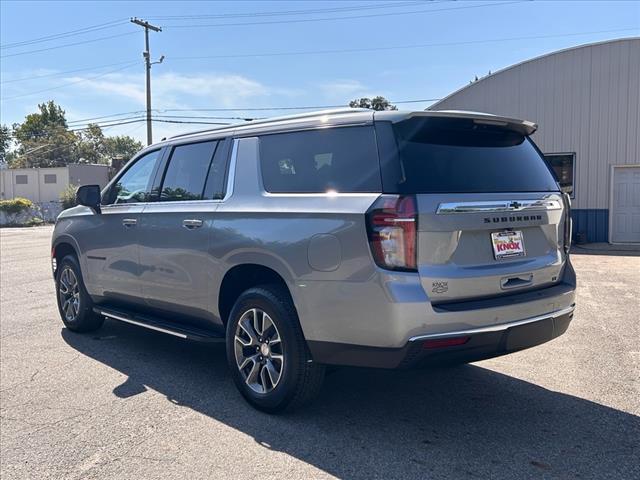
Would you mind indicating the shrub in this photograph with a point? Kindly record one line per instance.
(68, 197)
(34, 222)
(14, 207)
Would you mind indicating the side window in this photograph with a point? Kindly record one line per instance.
(316, 161)
(187, 172)
(133, 186)
(216, 180)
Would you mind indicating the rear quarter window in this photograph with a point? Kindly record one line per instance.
(341, 159)
(442, 155)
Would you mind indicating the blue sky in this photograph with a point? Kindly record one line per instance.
(463, 39)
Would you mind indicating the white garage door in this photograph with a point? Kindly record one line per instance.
(625, 210)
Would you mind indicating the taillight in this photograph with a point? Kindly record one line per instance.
(566, 200)
(392, 230)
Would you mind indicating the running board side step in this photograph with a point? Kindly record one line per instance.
(186, 332)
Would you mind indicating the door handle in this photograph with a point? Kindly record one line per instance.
(129, 222)
(192, 223)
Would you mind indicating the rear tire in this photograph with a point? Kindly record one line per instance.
(74, 303)
(267, 352)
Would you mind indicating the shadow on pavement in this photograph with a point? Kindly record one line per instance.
(606, 249)
(463, 422)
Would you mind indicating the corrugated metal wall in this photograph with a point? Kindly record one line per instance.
(586, 100)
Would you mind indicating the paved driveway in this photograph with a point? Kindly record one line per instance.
(128, 403)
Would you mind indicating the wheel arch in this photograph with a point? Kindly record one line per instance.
(243, 276)
(63, 246)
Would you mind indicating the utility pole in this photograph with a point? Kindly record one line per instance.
(147, 60)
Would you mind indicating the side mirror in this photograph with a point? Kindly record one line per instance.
(89, 196)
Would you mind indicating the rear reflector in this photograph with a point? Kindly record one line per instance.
(445, 342)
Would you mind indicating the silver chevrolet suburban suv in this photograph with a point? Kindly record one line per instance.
(344, 237)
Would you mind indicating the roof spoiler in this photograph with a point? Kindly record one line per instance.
(521, 126)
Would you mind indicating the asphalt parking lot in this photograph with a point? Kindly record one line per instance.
(128, 403)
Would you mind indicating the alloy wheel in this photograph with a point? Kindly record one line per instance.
(69, 292)
(258, 351)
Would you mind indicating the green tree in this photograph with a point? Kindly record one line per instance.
(44, 140)
(375, 103)
(121, 146)
(94, 147)
(5, 142)
(90, 146)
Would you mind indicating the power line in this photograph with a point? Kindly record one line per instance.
(138, 116)
(85, 120)
(160, 111)
(59, 74)
(131, 64)
(56, 36)
(331, 51)
(141, 112)
(262, 109)
(66, 145)
(191, 123)
(115, 23)
(123, 121)
(169, 118)
(205, 117)
(127, 121)
(307, 20)
(83, 42)
(395, 47)
(78, 128)
(129, 131)
(289, 12)
(141, 120)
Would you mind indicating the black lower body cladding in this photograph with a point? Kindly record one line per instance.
(478, 346)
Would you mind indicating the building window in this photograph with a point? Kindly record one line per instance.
(50, 178)
(22, 179)
(564, 166)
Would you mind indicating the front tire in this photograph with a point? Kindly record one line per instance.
(267, 352)
(74, 303)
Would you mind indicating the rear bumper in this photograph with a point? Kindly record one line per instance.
(479, 344)
(388, 311)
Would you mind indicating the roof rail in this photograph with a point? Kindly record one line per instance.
(196, 132)
(334, 111)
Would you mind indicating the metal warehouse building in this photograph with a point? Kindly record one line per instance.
(586, 101)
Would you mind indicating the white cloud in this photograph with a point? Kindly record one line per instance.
(343, 89)
(114, 84)
(224, 89)
(171, 89)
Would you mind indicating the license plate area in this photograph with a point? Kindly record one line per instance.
(507, 244)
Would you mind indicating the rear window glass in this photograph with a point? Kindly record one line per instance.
(316, 161)
(437, 155)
